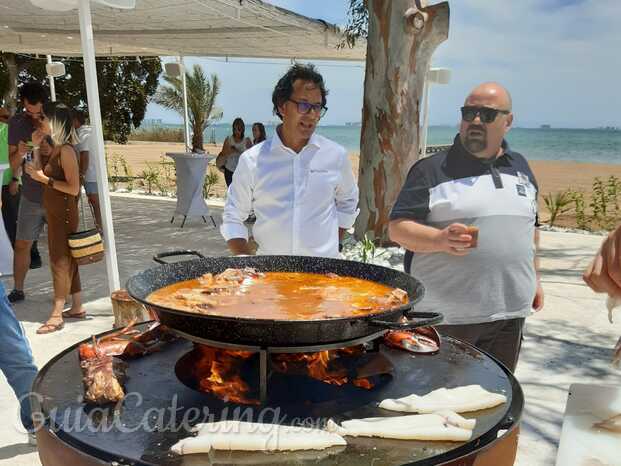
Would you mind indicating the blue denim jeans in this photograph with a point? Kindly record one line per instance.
(16, 358)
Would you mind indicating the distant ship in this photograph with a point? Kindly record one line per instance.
(545, 127)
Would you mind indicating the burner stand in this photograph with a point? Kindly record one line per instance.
(265, 351)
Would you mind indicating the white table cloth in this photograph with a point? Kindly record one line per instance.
(191, 170)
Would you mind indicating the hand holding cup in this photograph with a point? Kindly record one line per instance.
(35, 172)
(455, 240)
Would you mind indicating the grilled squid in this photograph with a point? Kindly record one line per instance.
(250, 436)
(460, 399)
(440, 426)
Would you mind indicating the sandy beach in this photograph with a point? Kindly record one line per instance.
(552, 176)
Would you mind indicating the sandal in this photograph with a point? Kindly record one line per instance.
(50, 328)
(74, 315)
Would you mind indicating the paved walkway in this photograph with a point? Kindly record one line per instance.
(569, 341)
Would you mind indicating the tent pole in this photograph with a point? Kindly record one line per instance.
(186, 120)
(425, 128)
(90, 71)
(51, 78)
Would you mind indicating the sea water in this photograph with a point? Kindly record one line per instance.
(578, 145)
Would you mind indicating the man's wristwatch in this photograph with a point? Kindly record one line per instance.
(50, 182)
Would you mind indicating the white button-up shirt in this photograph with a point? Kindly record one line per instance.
(300, 200)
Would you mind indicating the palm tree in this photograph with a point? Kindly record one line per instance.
(202, 93)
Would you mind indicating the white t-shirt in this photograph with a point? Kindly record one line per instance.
(84, 135)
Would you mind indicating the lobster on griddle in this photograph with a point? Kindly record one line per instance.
(103, 370)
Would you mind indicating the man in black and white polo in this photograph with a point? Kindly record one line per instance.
(485, 292)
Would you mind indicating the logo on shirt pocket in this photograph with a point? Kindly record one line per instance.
(522, 178)
(521, 190)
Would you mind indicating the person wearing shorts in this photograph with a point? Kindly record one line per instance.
(21, 127)
(90, 187)
(87, 162)
(30, 221)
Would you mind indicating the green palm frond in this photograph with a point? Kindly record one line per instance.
(202, 92)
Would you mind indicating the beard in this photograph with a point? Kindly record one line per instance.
(475, 144)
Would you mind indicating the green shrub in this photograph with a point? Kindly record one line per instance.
(579, 206)
(150, 176)
(613, 186)
(167, 175)
(557, 204)
(157, 134)
(368, 249)
(211, 179)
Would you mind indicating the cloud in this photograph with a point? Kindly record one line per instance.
(559, 59)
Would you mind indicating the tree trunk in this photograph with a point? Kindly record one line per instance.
(197, 140)
(402, 36)
(125, 309)
(11, 93)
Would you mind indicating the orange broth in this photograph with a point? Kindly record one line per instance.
(282, 296)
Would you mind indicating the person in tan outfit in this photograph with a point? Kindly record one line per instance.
(61, 177)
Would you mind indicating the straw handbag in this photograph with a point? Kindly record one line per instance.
(86, 246)
(221, 161)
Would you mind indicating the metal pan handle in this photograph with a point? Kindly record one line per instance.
(181, 252)
(414, 319)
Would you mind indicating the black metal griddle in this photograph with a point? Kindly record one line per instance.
(152, 385)
(271, 332)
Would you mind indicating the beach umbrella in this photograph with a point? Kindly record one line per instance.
(92, 91)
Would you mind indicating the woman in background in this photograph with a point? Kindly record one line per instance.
(233, 147)
(258, 133)
(60, 175)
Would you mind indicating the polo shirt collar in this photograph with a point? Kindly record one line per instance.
(507, 153)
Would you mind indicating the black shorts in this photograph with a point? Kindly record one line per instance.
(501, 338)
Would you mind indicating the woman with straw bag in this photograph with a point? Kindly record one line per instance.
(61, 177)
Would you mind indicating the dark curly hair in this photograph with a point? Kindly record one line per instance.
(33, 92)
(284, 86)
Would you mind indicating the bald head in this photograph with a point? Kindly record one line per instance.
(492, 92)
(486, 118)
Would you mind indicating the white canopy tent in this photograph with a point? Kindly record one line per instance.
(229, 28)
(223, 28)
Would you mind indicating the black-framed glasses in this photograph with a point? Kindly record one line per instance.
(486, 114)
(306, 107)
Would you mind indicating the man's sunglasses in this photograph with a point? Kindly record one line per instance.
(306, 107)
(486, 114)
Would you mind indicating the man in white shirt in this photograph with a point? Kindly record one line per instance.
(299, 185)
(88, 173)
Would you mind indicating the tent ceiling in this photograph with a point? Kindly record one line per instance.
(234, 28)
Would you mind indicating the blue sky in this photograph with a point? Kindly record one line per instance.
(559, 58)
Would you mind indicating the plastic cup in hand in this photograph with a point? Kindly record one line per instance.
(474, 233)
